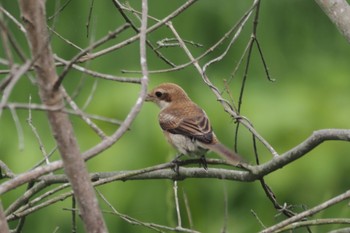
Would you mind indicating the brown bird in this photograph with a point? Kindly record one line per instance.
(186, 126)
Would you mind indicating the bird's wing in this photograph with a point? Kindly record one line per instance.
(195, 127)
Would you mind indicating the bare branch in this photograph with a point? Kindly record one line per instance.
(36, 134)
(316, 222)
(5, 42)
(157, 172)
(33, 14)
(83, 116)
(13, 19)
(46, 188)
(120, 9)
(18, 128)
(110, 35)
(338, 11)
(99, 75)
(12, 81)
(309, 212)
(161, 171)
(302, 149)
(4, 228)
(5, 171)
(136, 37)
(177, 206)
(40, 107)
(228, 108)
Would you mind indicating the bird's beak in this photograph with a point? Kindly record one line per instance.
(148, 98)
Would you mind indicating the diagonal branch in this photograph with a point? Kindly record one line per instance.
(309, 212)
(338, 11)
(33, 14)
(132, 39)
(4, 228)
(302, 149)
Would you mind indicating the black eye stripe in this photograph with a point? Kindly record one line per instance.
(163, 95)
(159, 94)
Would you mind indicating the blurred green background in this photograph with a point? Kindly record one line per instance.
(305, 54)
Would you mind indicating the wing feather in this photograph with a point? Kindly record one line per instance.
(195, 127)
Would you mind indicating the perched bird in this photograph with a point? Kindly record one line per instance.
(185, 125)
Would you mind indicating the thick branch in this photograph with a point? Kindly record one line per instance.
(165, 171)
(338, 12)
(33, 14)
(256, 171)
(302, 149)
(4, 228)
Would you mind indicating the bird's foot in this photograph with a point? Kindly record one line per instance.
(203, 162)
(176, 162)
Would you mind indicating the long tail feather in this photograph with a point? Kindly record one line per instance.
(226, 153)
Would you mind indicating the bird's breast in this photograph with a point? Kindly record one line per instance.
(184, 144)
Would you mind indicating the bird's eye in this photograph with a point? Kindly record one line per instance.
(159, 94)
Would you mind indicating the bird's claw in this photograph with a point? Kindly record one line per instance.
(176, 162)
(203, 163)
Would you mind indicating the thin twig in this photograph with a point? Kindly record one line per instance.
(18, 128)
(5, 171)
(197, 59)
(238, 28)
(74, 216)
(64, 39)
(83, 116)
(258, 219)
(154, 27)
(40, 107)
(134, 221)
(14, 79)
(317, 222)
(95, 74)
(228, 108)
(59, 10)
(188, 209)
(89, 18)
(110, 36)
(120, 8)
(226, 204)
(36, 134)
(177, 205)
(8, 14)
(91, 95)
(4, 33)
(310, 212)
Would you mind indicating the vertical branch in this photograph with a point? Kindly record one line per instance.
(74, 216)
(188, 210)
(177, 206)
(143, 37)
(33, 14)
(4, 228)
(226, 218)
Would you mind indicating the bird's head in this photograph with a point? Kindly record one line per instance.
(166, 94)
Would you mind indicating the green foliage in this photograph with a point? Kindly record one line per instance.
(305, 54)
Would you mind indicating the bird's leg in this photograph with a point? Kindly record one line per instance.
(203, 162)
(177, 157)
(176, 161)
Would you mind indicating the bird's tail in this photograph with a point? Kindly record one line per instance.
(226, 153)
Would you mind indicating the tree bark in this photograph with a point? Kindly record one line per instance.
(4, 228)
(33, 15)
(338, 12)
